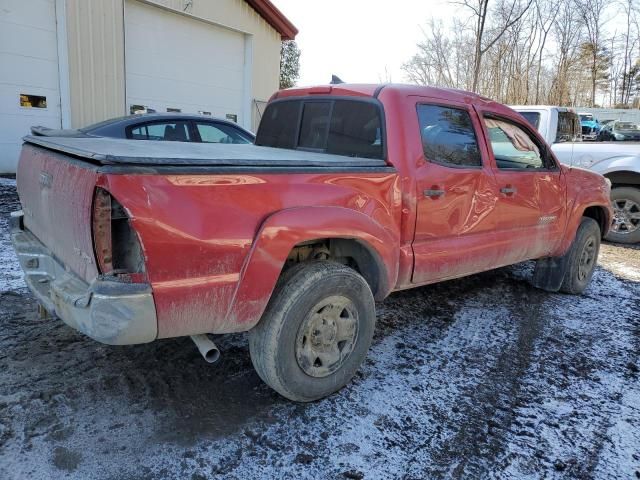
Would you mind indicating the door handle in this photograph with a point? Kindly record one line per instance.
(508, 190)
(433, 193)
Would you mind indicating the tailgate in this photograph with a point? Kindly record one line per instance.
(56, 193)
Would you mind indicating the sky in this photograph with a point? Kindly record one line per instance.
(358, 40)
(365, 40)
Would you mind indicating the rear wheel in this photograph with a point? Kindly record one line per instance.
(315, 332)
(625, 227)
(582, 257)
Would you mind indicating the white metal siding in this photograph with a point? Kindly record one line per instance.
(28, 65)
(95, 35)
(263, 50)
(173, 61)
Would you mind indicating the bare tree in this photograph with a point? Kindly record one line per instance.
(441, 58)
(546, 14)
(567, 31)
(532, 51)
(512, 10)
(616, 70)
(630, 38)
(592, 13)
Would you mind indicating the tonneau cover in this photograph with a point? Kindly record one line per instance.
(113, 151)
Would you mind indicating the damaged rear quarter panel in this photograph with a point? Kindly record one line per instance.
(197, 230)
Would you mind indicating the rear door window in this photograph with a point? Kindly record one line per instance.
(448, 136)
(342, 127)
(165, 131)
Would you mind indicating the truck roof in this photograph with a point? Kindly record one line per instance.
(542, 107)
(374, 90)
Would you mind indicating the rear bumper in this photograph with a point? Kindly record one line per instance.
(108, 311)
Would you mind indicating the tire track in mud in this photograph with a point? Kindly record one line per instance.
(405, 395)
(487, 409)
(574, 388)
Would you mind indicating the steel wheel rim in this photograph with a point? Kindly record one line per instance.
(327, 336)
(587, 259)
(626, 216)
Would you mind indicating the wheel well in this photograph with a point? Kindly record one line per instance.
(624, 178)
(599, 215)
(347, 251)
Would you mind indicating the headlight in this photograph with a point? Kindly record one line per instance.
(618, 136)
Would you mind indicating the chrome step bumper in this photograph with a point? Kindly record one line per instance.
(107, 310)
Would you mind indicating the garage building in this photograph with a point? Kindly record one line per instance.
(71, 63)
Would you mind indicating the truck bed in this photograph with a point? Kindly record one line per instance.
(112, 151)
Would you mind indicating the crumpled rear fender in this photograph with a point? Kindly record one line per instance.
(283, 230)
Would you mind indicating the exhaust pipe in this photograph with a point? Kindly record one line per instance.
(207, 348)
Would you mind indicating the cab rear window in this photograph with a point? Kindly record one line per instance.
(342, 127)
(533, 118)
(569, 128)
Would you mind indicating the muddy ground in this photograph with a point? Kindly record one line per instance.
(480, 377)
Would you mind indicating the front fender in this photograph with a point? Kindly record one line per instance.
(281, 231)
(585, 189)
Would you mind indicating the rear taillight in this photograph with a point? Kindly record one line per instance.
(115, 242)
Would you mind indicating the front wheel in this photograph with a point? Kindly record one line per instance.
(315, 332)
(582, 257)
(625, 227)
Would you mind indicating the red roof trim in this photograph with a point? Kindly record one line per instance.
(275, 18)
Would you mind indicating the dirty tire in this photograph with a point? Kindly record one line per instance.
(632, 195)
(276, 342)
(583, 257)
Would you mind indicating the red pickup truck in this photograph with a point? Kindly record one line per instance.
(350, 193)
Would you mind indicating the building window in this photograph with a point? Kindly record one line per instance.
(32, 101)
(136, 109)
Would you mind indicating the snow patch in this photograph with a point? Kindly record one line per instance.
(8, 182)
(625, 271)
(11, 277)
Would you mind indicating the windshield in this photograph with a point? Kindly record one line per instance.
(586, 117)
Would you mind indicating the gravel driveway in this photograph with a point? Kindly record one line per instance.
(480, 377)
